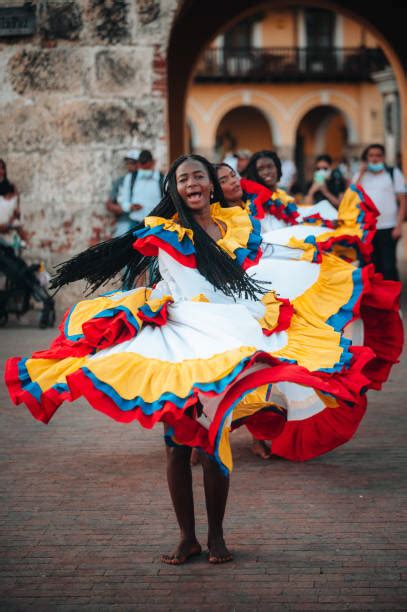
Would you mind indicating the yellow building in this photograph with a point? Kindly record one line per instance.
(302, 81)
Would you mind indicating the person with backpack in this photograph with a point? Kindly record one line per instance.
(386, 186)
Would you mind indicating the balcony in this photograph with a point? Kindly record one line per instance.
(289, 64)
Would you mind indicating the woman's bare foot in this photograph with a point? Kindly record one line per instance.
(260, 448)
(183, 552)
(218, 553)
(195, 457)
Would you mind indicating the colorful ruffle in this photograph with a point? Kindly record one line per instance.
(241, 241)
(262, 201)
(278, 314)
(352, 235)
(168, 235)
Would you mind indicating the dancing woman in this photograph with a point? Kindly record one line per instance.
(377, 324)
(175, 354)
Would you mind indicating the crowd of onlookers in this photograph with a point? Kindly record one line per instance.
(136, 192)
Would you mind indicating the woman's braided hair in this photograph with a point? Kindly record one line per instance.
(102, 262)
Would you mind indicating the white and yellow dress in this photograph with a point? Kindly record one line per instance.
(186, 354)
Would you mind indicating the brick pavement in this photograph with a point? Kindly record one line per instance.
(85, 515)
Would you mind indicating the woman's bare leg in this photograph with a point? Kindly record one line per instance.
(260, 448)
(179, 477)
(216, 493)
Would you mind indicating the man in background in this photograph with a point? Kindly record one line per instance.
(386, 186)
(242, 156)
(121, 194)
(148, 187)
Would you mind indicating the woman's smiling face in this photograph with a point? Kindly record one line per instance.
(230, 183)
(193, 184)
(267, 171)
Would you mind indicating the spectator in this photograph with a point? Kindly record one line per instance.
(148, 187)
(328, 183)
(288, 176)
(11, 231)
(242, 156)
(386, 187)
(121, 195)
(231, 160)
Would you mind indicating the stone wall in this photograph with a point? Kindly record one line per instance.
(89, 85)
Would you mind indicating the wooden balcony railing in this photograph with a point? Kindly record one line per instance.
(250, 64)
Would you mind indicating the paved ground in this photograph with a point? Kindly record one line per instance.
(85, 514)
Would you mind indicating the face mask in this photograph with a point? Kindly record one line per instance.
(375, 167)
(321, 175)
(145, 174)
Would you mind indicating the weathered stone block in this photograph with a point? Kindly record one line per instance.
(22, 172)
(109, 21)
(148, 118)
(125, 72)
(98, 122)
(42, 70)
(61, 20)
(75, 180)
(28, 127)
(148, 10)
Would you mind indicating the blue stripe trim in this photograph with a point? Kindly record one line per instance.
(148, 312)
(32, 387)
(27, 384)
(339, 320)
(253, 244)
(73, 337)
(149, 408)
(185, 246)
(107, 313)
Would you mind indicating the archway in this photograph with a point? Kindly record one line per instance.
(244, 127)
(323, 129)
(197, 23)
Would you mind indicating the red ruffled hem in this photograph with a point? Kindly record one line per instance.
(41, 410)
(320, 433)
(383, 327)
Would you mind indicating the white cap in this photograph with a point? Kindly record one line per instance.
(132, 154)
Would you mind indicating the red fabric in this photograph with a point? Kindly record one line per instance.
(284, 317)
(262, 195)
(102, 332)
(265, 425)
(326, 246)
(285, 314)
(383, 328)
(320, 433)
(150, 244)
(317, 217)
(263, 202)
(50, 401)
(61, 347)
(248, 263)
(159, 318)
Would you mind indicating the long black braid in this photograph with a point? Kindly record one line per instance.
(251, 169)
(102, 262)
